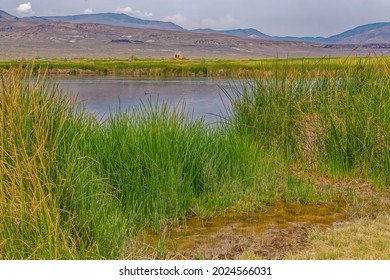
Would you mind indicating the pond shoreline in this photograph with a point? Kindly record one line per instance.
(223, 68)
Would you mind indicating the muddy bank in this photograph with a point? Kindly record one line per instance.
(279, 230)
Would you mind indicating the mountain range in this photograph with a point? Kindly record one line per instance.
(374, 33)
(117, 20)
(120, 35)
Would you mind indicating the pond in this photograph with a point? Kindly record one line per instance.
(199, 97)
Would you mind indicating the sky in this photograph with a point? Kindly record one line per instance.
(272, 17)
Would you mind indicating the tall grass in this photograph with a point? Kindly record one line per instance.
(52, 204)
(73, 188)
(162, 164)
(332, 122)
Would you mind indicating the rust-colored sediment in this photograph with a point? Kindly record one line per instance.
(281, 229)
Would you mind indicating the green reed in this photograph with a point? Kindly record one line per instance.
(52, 206)
(332, 122)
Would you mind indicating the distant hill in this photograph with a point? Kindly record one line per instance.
(365, 34)
(7, 17)
(250, 33)
(116, 20)
(375, 33)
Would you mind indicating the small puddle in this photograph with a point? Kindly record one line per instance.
(271, 234)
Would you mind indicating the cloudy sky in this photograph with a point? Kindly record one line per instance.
(273, 17)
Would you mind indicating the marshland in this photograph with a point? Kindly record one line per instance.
(299, 162)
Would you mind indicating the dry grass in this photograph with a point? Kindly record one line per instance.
(365, 239)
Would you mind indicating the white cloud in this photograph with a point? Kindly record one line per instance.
(88, 11)
(131, 11)
(179, 19)
(25, 8)
(227, 21)
(224, 22)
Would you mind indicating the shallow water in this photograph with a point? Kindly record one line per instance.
(271, 234)
(200, 97)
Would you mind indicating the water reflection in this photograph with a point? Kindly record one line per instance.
(200, 97)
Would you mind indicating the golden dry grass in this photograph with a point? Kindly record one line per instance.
(364, 239)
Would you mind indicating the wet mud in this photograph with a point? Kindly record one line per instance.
(270, 234)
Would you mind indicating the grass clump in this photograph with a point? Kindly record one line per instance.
(162, 164)
(52, 204)
(333, 123)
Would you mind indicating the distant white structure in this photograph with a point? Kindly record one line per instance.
(178, 55)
